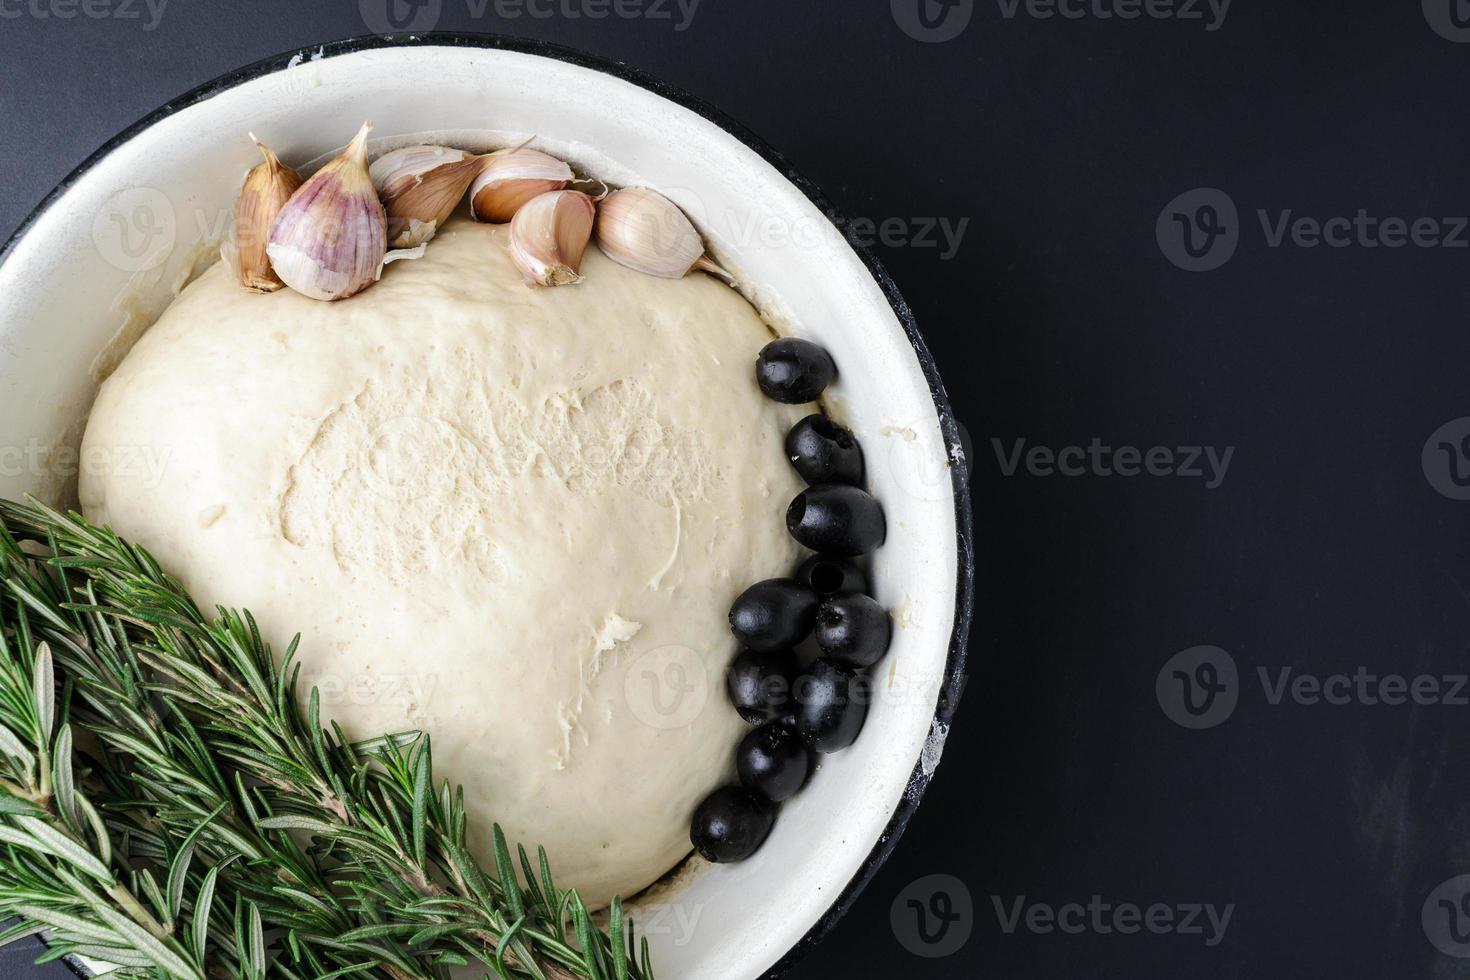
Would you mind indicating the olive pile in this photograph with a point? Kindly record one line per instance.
(801, 711)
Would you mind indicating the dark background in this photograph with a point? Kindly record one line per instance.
(1058, 321)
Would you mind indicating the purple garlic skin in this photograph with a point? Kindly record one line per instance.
(331, 238)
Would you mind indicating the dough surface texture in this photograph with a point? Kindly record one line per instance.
(514, 518)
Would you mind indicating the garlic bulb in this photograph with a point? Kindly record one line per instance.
(420, 186)
(330, 239)
(549, 236)
(266, 190)
(513, 177)
(647, 232)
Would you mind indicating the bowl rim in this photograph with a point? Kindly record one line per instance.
(954, 673)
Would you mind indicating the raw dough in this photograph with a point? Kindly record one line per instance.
(515, 518)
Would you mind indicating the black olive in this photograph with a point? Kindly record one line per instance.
(760, 684)
(731, 825)
(793, 371)
(837, 520)
(773, 762)
(831, 576)
(774, 615)
(824, 452)
(853, 630)
(832, 705)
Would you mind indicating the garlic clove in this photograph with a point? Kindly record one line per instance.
(265, 192)
(330, 239)
(420, 186)
(393, 172)
(417, 214)
(513, 177)
(647, 232)
(549, 236)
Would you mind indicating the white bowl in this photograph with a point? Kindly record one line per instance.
(102, 256)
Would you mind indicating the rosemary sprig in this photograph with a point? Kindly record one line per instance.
(204, 741)
(58, 869)
(96, 882)
(163, 793)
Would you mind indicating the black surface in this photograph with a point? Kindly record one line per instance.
(1059, 320)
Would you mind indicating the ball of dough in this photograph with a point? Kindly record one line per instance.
(514, 518)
